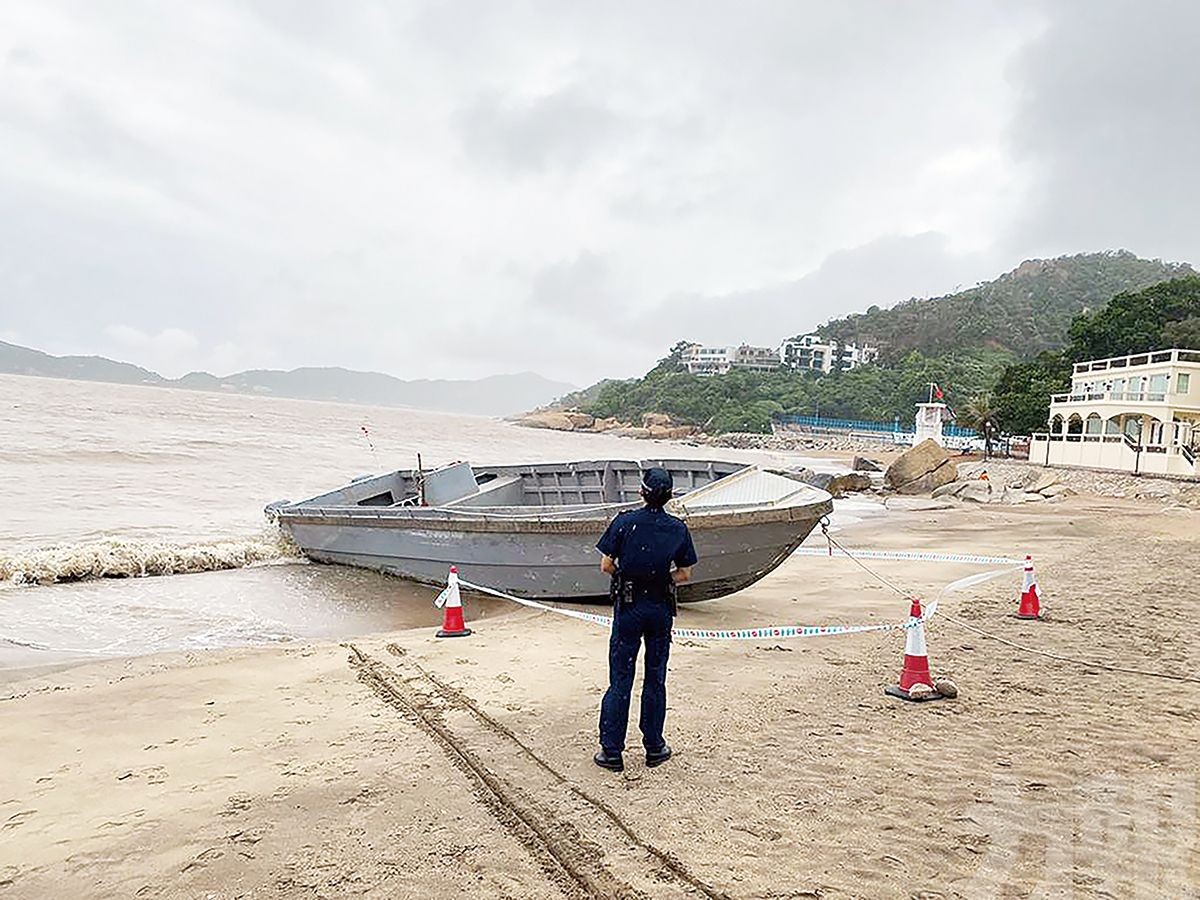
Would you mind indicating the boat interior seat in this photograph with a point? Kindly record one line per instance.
(503, 490)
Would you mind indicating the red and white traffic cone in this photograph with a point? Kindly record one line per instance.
(1031, 607)
(450, 600)
(915, 681)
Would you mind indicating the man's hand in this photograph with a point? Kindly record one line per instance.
(679, 576)
(608, 565)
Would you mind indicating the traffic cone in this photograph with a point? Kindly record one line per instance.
(451, 601)
(915, 681)
(1031, 607)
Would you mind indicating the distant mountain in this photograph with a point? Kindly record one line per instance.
(579, 399)
(1025, 311)
(497, 395)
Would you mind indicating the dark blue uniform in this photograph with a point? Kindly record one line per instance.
(644, 542)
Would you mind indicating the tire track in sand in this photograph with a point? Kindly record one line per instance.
(580, 843)
(574, 868)
(668, 861)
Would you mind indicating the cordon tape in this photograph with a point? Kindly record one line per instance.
(792, 631)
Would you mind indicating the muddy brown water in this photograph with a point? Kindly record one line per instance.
(117, 479)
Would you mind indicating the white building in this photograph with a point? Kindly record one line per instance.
(701, 360)
(813, 353)
(1137, 413)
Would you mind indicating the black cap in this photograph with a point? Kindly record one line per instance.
(656, 479)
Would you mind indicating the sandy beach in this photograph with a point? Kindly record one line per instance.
(399, 765)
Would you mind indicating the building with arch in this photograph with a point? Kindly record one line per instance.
(1137, 413)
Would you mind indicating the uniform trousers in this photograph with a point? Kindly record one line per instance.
(647, 620)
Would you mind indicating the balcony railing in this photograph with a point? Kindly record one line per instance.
(1111, 397)
(1138, 359)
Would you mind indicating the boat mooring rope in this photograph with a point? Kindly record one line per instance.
(1084, 663)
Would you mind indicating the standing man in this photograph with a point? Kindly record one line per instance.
(639, 549)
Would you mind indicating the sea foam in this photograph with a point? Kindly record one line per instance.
(133, 559)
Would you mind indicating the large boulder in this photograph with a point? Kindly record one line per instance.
(949, 490)
(649, 420)
(849, 483)
(1042, 481)
(976, 491)
(820, 480)
(554, 419)
(671, 432)
(799, 473)
(580, 421)
(921, 470)
(862, 464)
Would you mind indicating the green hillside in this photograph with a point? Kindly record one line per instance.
(1025, 311)
(998, 349)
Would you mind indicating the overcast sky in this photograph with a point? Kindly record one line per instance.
(459, 189)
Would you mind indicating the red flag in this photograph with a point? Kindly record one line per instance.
(937, 392)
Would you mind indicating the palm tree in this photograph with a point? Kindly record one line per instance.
(980, 414)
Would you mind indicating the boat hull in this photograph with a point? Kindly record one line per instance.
(556, 561)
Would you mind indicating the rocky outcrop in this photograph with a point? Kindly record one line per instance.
(921, 470)
(1044, 481)
(862, 464)
(786, 442)
(559, 420)
(657, 420)
(1010, 481)
(836, 485)
(849, 483)
(949, 490)
(654, 425)
(976, 491)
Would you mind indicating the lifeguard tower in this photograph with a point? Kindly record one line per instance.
(930, 417)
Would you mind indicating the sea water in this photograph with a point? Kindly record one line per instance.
(103, 485)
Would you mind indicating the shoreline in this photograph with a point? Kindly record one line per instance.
(415, 767)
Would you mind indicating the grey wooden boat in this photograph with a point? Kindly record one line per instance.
(531, 530)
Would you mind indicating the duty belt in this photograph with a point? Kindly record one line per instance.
(625, 589)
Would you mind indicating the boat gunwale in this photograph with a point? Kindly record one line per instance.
(437, 519)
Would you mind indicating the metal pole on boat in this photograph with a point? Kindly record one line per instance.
(420, 481)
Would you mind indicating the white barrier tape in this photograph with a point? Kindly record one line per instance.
(972, 580)
(720, 634)
(913, 555)
(441, 598)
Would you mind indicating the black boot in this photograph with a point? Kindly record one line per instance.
(658, 757)
(611, 761)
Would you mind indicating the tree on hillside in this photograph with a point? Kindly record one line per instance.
(1024, 311)
(673, 361)
(1135, 322)
(1184, 334)
(1022, 394)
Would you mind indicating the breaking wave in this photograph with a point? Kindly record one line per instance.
(135, 559)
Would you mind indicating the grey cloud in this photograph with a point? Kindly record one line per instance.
(581, 286)
(559, 131)
(1108, 125)
(452, 189)
(851, 279)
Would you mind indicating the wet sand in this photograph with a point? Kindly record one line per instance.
(399, 765)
